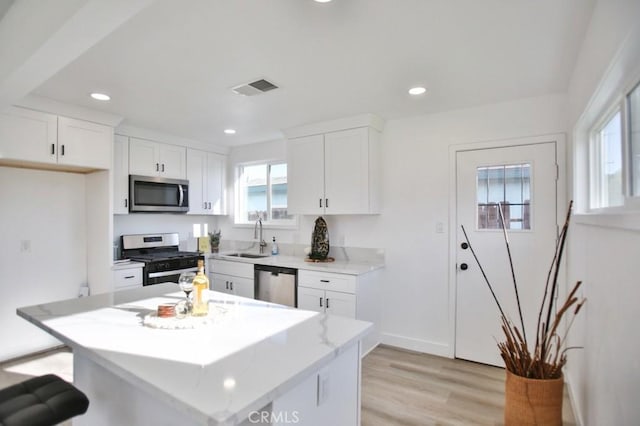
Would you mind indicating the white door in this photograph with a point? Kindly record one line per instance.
(523, 178)
(85, 144)
(310, 299)
(173, 161)
(342, 304)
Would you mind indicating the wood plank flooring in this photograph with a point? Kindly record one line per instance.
(407, 388)
(399, 387)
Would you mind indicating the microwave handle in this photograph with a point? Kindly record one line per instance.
(181, 200)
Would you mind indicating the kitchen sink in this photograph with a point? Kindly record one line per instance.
(247, 255)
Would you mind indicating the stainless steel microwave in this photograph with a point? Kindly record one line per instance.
(158, 195)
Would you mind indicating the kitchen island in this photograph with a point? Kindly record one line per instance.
(251, 363)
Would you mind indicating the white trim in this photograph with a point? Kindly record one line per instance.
(418, 345)
(156, 136)
(577, 415)
(363, 120)
(561, 204)
(51, 106)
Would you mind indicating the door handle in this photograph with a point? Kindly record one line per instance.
(464, 246)
(464, 266)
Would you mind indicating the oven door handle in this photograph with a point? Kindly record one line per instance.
(181, 196)
(174, 272)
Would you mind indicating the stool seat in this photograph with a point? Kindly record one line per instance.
(41, 401)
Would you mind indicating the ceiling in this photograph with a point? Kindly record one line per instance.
(170, 68)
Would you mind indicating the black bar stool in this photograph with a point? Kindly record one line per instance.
(41, 401)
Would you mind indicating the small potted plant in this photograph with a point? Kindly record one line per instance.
(214, 239)
(534, 382)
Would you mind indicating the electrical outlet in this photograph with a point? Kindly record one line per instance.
(25, 246)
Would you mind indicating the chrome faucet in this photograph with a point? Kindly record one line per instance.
(263, 244)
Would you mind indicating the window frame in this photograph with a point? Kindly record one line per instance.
(630, 203)
(240, 202)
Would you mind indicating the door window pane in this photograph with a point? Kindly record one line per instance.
(506, 185)
(634, 139)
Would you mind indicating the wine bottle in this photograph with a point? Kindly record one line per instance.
(200, 287)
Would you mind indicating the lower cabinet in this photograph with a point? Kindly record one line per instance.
(331, 302)
(128, 277)
(231, 277)
(352, 296)
(239, 286)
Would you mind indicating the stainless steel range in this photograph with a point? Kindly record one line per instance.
(163, 260)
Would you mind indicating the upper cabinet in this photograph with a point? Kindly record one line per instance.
(206, 171)
(334, 172)
(148, 158)
(120, 174)
(34, 137)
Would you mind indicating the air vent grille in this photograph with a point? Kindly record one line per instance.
(254, 88)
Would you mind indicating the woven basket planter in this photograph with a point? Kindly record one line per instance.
(533, 401)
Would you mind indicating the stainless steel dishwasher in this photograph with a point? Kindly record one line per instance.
(276, 284)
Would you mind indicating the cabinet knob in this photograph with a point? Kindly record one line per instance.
(464, 266)
(464, 246)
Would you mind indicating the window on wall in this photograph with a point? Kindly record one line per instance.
(606, 163)
(262, 194)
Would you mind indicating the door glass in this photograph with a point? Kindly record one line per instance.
(508, 185)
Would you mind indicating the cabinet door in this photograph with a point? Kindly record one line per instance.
(342, 304)
(243, 287)
(85, 144)
(221, 283)
(121, 175)
(311, 299)
(197, 164)
(346, 168)
(305, 175)
(28, 135)
(215, 183)
(173, 161)
(143, 157)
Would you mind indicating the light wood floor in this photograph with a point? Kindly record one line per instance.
(407, 388)
(398, 387)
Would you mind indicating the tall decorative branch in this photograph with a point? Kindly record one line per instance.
(513, 273)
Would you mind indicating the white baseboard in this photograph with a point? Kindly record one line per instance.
(414, 344)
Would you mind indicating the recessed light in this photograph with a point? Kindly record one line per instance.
(100, 96)
(322, 1)
(230, 131)
(417, 90)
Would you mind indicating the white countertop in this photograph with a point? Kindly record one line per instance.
(339, 266)
(126, 265)
(252, 353)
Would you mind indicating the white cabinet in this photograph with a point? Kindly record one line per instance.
(84, 144)
(148, 158)
(232, 277)
(206, 171)
(125, 278)
(334, 173)
(36, 137)
(28, 135)
(352, 296)
(120, 174)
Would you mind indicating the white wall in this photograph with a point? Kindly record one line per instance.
(605, 374)
(47, 209)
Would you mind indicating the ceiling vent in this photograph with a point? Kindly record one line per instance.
(254, 88)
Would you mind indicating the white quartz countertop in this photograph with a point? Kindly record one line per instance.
(251, 352)
(127, 265)
(338, 266)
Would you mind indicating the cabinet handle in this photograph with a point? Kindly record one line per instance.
(157, 167)
(53, 149)
(226, 285)
(325, 281)
(205, 205)
(163, 167)
(62, 149)
(126, 202)
(209, 205)
(321, 302)
(327, 303)
(231, 285)
(129, 277)
(320, 202)
(326, 202)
